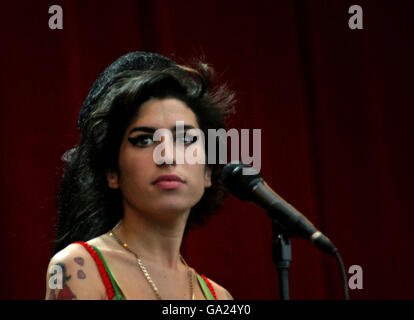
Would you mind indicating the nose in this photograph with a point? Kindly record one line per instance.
(164, 152)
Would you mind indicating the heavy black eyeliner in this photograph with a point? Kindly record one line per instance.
(136, 140)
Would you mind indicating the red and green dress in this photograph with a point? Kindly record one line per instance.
(113, 289)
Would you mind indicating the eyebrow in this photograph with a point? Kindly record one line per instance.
(152, 129)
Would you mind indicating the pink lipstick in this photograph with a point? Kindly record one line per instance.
(168, 181)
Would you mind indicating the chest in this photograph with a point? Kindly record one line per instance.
(136, 282)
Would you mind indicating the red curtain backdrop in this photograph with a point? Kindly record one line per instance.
(334, 106)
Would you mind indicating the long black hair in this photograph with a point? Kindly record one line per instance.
(87, 207)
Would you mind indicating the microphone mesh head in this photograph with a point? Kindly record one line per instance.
(236, 182)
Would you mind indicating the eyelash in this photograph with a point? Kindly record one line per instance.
(138, 141)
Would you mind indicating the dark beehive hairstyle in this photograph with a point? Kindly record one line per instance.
(87, 207)
(138, 61)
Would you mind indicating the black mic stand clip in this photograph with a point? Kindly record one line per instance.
(282, 256)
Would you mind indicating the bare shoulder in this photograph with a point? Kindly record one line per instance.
(221, 292)
(72, 274)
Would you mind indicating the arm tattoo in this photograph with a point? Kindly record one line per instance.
(65, 293)
(81, 274)
(80, 261)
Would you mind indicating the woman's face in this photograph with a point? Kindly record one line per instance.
(146, 186)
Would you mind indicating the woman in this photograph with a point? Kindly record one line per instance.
(123, 207)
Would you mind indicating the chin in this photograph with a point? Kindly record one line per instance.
(174, 207)
(178, 203)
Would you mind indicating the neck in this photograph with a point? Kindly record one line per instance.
(153, 240)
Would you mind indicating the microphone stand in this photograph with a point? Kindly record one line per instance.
(282, 256)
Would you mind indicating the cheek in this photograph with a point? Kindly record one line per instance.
(200, 179)
(133, 169)
(199, 152)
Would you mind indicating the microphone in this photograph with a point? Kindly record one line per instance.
(253, 188)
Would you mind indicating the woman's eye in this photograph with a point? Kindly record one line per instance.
(141, 141)
(188, 139)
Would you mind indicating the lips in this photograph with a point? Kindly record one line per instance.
(168, 177)
(168, 181)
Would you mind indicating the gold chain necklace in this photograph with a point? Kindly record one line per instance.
(146, 273)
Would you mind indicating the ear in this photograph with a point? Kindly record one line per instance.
(113, 181)
(207, 177)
